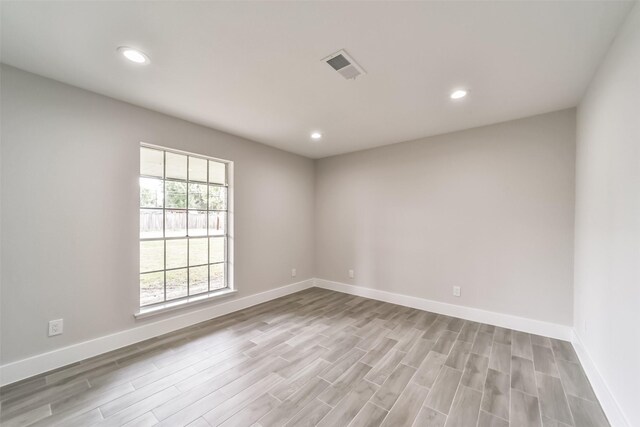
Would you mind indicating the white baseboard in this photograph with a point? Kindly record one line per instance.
(25, 368)
(609, 404)
(523, 324)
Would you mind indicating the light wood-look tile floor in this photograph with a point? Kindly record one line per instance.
(322, 358)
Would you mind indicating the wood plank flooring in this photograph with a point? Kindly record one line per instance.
(322, 358)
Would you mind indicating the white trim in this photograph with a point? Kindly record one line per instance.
(169, 306)
(523, 324)
(44, 362)
(609, 404)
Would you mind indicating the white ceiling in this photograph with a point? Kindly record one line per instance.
(254, 69)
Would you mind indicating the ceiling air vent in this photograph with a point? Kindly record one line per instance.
(344, 64)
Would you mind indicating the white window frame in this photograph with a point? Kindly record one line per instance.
(228, 263)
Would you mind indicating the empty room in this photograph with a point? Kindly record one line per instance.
(320, 213)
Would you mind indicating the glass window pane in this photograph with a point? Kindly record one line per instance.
(217, 197)
(217, 172)
(197, 169)
(151, 288)
(176, 253)
(217, 222)
(176, 194)
(198, 251)
(176, 223)
(216, 280)
(176, 166)
(197, 196)
(150, 223)
(151, 255)
(151, 162)
(198, 280)
(151, 193)
(193, 193)
(216, 249)
(197, 223)
(176, 284)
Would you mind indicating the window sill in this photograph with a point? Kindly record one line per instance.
(183, 303)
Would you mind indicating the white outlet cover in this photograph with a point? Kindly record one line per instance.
(293, 272)
(351, 274)
(56, 327)
(456, 291)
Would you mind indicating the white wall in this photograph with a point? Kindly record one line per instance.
(70, 161)
(489, 209)
(607, 233)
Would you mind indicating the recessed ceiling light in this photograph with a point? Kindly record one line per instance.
(316, 135)
(133, 55)
(457, 94)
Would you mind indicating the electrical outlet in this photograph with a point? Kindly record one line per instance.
(456, 291)
(351, 274)
(293, 272)
(56, 327)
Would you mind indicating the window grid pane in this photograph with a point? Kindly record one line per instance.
(217, 172)
(151, 288)
(176, 166)
(151, 162)
(183, 226)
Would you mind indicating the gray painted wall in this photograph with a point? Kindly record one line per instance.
(607, 245)
(69, 177)
(490, 209)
